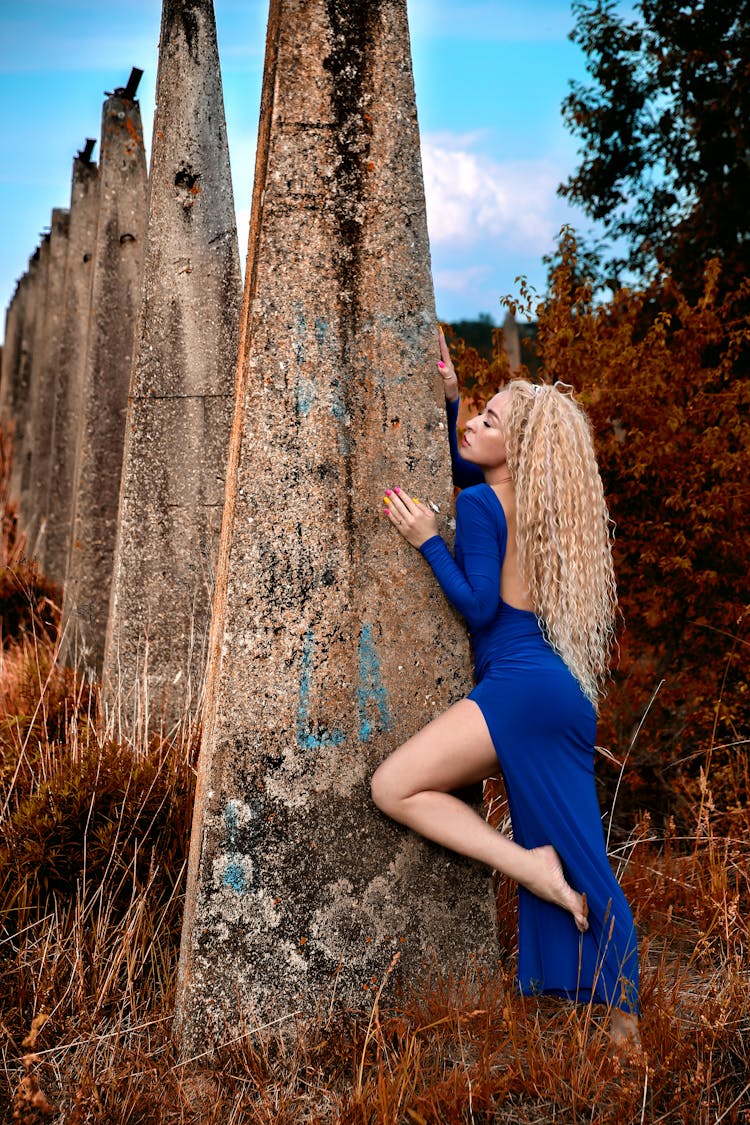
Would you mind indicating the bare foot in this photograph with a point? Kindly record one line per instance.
(552, 886)
(625, 1035)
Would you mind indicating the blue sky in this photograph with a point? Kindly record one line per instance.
(490, 77)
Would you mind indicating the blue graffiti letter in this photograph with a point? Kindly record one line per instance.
(306, 737)
(370, 686)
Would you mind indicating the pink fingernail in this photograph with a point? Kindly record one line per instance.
(397, 490)
(441, 365)
(387, 491)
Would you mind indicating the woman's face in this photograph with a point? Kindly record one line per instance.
(483, 442)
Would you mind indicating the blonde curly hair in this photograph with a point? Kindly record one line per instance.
(562, 526)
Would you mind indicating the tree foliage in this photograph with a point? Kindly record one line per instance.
(671, 421)
(665, 134)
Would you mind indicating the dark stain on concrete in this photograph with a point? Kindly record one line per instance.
(353, 32)
(187, 185)
(352, 35)
(186, 12)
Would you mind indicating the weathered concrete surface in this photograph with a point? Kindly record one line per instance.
(115, 294)
(71, 363)
(11, 355)
(26, 419)
(16, 392)
(16, 317)
(44, 386)
(180, 406)
(512, 341)
(330, 642)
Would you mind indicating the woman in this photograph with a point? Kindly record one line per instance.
(532, 576)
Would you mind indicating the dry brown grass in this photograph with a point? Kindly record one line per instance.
(93, 838)
(92, 853)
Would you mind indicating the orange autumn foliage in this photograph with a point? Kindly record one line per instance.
(666, 386)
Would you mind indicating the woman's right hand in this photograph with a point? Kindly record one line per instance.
(411, 519)
(446, 369)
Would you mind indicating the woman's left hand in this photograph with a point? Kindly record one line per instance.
(411, 519)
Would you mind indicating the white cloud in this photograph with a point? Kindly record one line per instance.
(462, 280)
(242, 147)
(243, 234)
(471, 197)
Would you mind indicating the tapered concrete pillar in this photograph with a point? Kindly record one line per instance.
(28, 415)
(71, 361)
(16, 391)
(180, 407)
(330, 641)
(115, 294)
(512, 341)
(46, 376)
(14, 317)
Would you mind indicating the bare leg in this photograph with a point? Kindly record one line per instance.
(625, 1033)
(413, 786)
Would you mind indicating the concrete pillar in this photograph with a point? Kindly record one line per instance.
(115, 293)
(14, 316)
(330, 641)
(44, 387)
(16, 393)
(512, 341)
(28, 415)
(180, 406)
(11, 356)
(71, 362)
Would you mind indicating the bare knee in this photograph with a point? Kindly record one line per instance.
(384, 789)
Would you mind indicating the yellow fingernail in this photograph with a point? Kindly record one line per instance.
(415, 500)
(386, 499)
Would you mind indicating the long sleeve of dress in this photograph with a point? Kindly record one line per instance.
(471, 580)
(464, 473)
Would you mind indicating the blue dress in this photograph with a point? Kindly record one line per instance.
(543, 729)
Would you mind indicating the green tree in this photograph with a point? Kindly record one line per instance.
(665, 136)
